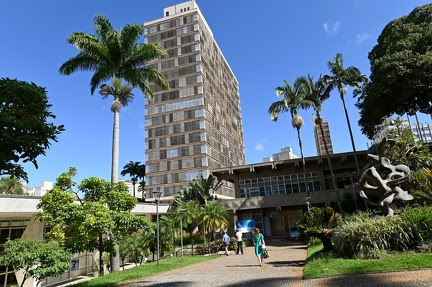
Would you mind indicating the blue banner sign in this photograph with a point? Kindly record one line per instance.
(245, 226)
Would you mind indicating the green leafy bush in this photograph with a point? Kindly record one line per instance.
(360, 237)
(420, 222)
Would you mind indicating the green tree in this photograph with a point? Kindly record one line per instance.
(122, 97)
(214, 216)
(37, 259)
(115, 54)
(10, 185)
(400, 71)
(141, 173)
(293, 97)
(190, 214)
(320, 223)
(401, 148)
(339, 79)
(198, 190)
(171, 226)
(26, 130)
(133, 169)
(318, 92)
(105, 210)
(135, 246)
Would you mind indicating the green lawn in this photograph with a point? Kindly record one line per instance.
(145, 270)
(320, 264)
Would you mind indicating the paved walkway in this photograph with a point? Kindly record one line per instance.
(283, 268)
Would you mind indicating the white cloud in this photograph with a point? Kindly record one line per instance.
(361, 38)
(259, 147)
(332, 28)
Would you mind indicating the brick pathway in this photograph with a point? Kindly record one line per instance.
(283, 268)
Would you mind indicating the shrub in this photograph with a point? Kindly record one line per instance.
(362, 237)
(420, 222)
(320, 223)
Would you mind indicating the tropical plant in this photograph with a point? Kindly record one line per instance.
(198, 190)
(320, 223)
(134, 245)
(215, 217)
(25, 128)
(419, 220)
(171, 225)
(115, 54)
(318, 92)
(293, 97)
(190, 214)
(339, 79)
(10, 185)
(362, 237)
(401, 148)
(133, 169)
(36, 258)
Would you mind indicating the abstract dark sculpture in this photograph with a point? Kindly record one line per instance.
(380, 183)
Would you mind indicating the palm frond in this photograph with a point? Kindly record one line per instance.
(276, 108)
(102, 26)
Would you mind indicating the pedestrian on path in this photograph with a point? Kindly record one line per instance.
(226, 242)
(239, 236)
(258, 240)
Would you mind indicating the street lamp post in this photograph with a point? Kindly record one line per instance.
(156, 195)
(181, 229)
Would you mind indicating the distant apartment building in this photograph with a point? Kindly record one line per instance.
(40, 190)
(425, 134)
(320, 137)
(284, 154)
(197, 125)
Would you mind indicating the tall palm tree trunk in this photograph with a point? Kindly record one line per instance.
(115, 147)
(133, 188)
(303, 162)
(114, 174)
(329, 164)
(351, 135)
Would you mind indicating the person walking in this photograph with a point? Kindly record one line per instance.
(226, 242)
(239, 236)
(258, 240)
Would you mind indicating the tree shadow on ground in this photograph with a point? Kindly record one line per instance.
(295, 263)
(264, 282)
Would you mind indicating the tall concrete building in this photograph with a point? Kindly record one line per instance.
(196, 125)
(319, 137)
(425, 134)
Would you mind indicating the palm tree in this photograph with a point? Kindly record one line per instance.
(11, 185)
(340, 78)
(190, 214)
(122, 97)
(132, 168)
(318, 92)
(141, 172)
(171, 223)
(115, 54)
(293, 98)
(320, 223)
(198, 190)
(214, 218)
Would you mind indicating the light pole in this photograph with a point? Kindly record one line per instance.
(181, 229)
(156, 195)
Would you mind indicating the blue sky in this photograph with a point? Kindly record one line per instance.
(264, 42)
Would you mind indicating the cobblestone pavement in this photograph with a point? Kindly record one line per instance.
(422, 278)
(283, 268)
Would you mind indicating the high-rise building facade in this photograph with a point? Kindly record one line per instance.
(196, 125)
(424, 136)
(319, 137)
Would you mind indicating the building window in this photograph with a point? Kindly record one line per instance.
(166, 14)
